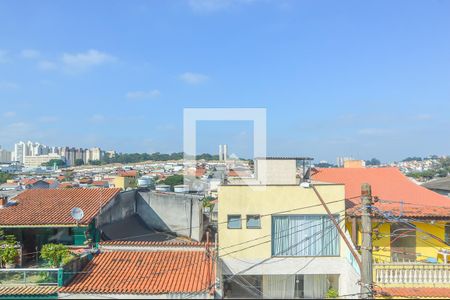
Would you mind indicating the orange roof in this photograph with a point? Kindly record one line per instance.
(422, 292)
(65, 185)
(176, 243)
(52, 207)
(27, 290)
(30, 181)
(145, 272)
(131, 173)
(199, 172)
(388, 184)
(100, 182)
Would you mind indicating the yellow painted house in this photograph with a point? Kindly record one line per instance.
(276, 239)
(411, 230)
(125, 179)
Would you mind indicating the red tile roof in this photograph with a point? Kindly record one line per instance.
(30, 181)
(52, 207)
(27, 290)
(422, 292)
(145, 272)
(131, 173)
(100, 182)
(175, 243)
(389, 184)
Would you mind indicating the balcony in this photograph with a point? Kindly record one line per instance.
(411, 273)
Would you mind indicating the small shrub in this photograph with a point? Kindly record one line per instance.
(332, 293)
(55, 254)
(9, 254)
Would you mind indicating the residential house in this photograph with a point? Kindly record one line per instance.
(277, 240)
(145, 270)
(125, 179)
(35, 183)
(40, 216)
(411, 227)
(440, 186)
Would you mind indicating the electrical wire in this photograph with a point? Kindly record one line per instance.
(241, 219)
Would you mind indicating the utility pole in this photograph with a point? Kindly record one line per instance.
(366, 247)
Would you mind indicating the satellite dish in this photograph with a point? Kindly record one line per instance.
(77, 213)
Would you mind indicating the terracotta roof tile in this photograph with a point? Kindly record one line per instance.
(27, 290)
(145, 272)
(130, 173)
(175, 243)
(52, 207)
(412, 292)
(388, 184)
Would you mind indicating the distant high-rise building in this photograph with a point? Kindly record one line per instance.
(5, 156)
(225, 152)
(20, 151)
(95, 153)
(220, 152)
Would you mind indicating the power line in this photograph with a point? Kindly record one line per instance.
(307, 264)
(241, 219)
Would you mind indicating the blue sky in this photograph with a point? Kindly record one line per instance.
(338, 78)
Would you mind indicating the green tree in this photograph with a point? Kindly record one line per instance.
(174, 180)
(79, 162)
(373, 162)
(59, 163)
(4, 177)
(55, 254)
(8, 251)
(8, 254)
(95, 162)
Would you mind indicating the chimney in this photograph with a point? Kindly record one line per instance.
(3, 201)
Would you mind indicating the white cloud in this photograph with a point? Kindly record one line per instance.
(9, 114)
(30, 53)
(193, 78)
(85, 60)
(136, 95)
(4, 56)
(7, 85)
(47, 65)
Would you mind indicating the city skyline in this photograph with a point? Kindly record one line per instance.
(341, 79)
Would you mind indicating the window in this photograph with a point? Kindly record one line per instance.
(304, 235)
(234, 222)
(253, 222)
(447, 233)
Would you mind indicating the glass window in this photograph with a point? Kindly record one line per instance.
(253, 221)
(234, 222)
(304, 235)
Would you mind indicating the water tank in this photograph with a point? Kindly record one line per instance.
(181, 188)
(145, 182)
(162, 188)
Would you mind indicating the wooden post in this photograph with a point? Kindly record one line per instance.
(366, 246)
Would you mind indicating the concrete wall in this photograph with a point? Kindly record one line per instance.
(426, 246)
(289, 200)
(178, 213)
(271, 171)
(124, 205)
